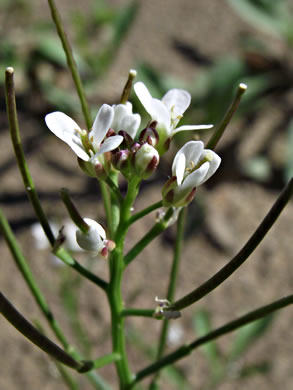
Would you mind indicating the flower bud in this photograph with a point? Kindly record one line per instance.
(150, 135)
(121, 162)
(127, 141)
(146, 160)
(95, 239)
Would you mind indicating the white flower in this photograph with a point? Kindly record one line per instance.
(95, 239)
(192, 166)
(90, 146)
(125, 120)
(168, 111)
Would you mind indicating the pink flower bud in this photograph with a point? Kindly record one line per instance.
(150, 135)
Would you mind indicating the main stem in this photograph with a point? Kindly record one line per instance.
(114, 289)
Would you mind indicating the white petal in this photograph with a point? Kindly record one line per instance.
(214, 163)
(102, 124)
(131, 124)
(66, 129)
(177, 101)
(110, 143)
(191, 127)
(120, 112)
(192, 151)
(93, 240)
(144, 96)
(196, 178)
(97, 226)
(61, 125)
(125, 120)
(160, 113)
(78, 149)
(180, 168)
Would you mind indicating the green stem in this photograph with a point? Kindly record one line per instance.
(71, 63)
(137, 312)
(114, 188)
(114, 290)
(73, 212)
(65, 374)
(242, 255)
(107, 206)
(40, 299)
(67, 378)
(20, 158)
(105, 360)
(172, 285)
(63, 255)
(222, 126)
(158, 228)
(116, 201)
(37, 338)
(29, 278)
(229, 327)
(80, 90)
(128, 86)
(29, 184)
(145, 211)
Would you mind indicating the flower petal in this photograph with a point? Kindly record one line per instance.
(99, 228)
(196, 178)
(191, 127)
(192, 151)
(61, 125)
(124, 119)
(110, 143)
(144, 96)
(131, 124)
(180, 168)
(160, 113)
(66, 129)
(214, 163)
(102, 124)
(77, 147)
(93, 240)
(177, 101)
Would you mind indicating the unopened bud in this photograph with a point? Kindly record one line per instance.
(146, 160)
(120, 160)
(127, 140)
(150, 135)
(94, 240)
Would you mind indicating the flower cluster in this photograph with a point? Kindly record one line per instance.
(114, 143)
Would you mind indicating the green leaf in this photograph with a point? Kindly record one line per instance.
(123, 21)
(248, 335)
(202, 325)
(50, 49)
(269, 15)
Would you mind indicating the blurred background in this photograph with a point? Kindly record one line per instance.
(207, 47)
